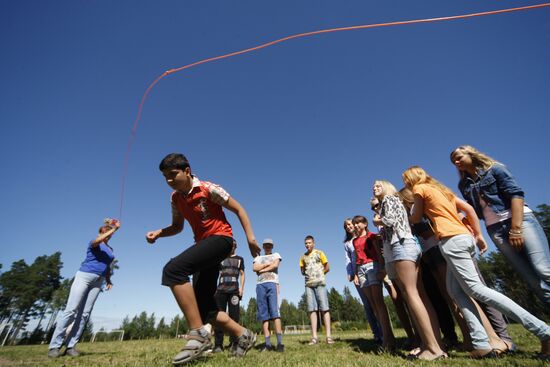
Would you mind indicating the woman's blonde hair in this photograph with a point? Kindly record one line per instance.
(479, 160)
(417, 175)
(387, 188)
(407, 197)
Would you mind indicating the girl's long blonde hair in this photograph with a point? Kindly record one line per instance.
(417, 175)
(479, 160)
(387, 188)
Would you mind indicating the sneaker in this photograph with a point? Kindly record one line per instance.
(266, 348)
(54, 353)
(280, 348)
(244, 343)
(72, 352)
(217, 349)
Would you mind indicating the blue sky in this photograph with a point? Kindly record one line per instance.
(297, 132)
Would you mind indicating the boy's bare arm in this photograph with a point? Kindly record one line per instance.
(241, 289)
(234, 206)
(173, 229)
(271, 266)
(327, 267)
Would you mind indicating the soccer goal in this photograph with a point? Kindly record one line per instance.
(107, 336)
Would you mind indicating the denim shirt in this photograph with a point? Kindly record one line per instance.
(496, 186)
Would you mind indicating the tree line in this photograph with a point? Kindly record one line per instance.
(37, 291)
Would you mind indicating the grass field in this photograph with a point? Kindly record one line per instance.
(350, 349)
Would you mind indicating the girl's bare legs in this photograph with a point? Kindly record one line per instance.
(424, 315)
(375, 297)
(397, 299)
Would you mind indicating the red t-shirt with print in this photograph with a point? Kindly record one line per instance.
(201, 207)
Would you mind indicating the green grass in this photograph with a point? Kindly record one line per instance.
(350, 349)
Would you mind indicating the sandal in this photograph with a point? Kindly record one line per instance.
(414, 352)
(483, 354)
(195, 347)
(443, 355)
(330, 340)
(313, 341)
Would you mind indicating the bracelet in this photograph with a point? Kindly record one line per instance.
(515, 233)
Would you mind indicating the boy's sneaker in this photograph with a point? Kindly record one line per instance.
(72, 352)
(266, 348)
(244, 343)
(54, 353)
(217, 349)
(198, 342)
(280, 348)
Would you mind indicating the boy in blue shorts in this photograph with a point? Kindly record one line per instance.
(201, 204)
(267, 293)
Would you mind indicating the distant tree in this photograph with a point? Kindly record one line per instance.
(163, 330)
(45, 273)
(249, 317)
(127, 327)
(336, 302)
(302, 304)
(290, 313)
(352, 309)
(26, 290)
(178, 326)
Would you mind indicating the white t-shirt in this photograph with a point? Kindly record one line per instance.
(270, 276)
(491, 217)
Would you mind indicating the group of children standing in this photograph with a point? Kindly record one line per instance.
(425, 225)
(422, 226)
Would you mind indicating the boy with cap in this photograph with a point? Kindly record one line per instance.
(267, 293)
(201, 204)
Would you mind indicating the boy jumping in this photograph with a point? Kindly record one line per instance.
(200, 203)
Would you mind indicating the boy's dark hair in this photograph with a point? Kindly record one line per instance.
(174, 161)
(309, 237)
(360, 219)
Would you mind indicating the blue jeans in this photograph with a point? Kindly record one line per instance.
(83, 294)
(463, 282)
(533, 261)
(371, 319)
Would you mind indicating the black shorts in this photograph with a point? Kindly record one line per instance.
(433, 257)
(202, 261)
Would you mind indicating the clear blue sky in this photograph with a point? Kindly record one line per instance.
(297, 132)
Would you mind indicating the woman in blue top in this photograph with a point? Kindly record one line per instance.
(491, 189)
(86, 286)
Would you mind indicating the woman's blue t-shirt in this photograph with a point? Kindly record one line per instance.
(98, 259)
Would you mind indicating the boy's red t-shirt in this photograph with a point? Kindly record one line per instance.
(201, 207)
(364, 249)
